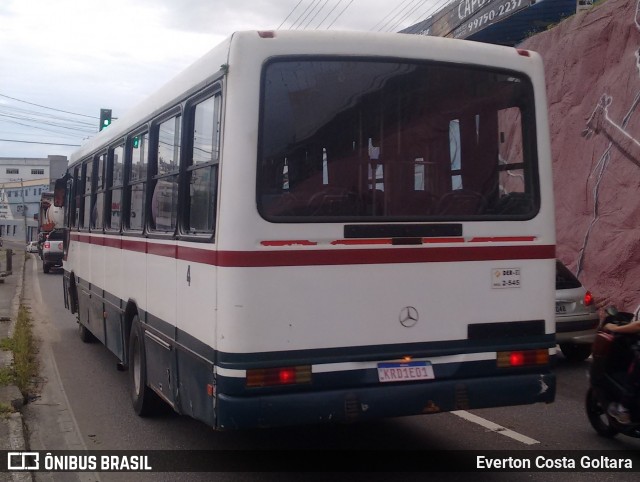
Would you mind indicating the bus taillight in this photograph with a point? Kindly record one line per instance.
(267, 377)
(522, 358)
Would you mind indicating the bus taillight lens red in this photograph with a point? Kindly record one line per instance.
(522, 358)
(268, 377)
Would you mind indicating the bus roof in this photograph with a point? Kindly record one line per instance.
(214, 64)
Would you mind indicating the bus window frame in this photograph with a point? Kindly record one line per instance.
(85, 224)
(109, 187)
(125, 222)
(530, 154)
(98, 190)
(152, 171)
(188, 120)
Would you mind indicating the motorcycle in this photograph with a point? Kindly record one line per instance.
(612, 354)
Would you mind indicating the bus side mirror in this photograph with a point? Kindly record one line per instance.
(59, 193)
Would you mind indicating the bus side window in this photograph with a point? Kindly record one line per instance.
(115, 189)
(97, 211)
(136, 186)
(76, 207)
(88, 182)
(164, 202)
(202, 170)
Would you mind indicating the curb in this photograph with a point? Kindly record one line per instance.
(10, 395)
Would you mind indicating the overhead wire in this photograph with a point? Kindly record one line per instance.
(290, 13)
(49, 108)
(329, 14)
(303, 13)
(310, 12)
(315, 15)
(386, 17)
(390, 25)
(408, 11)
(72, 125)
(38, 142)
(339, 15)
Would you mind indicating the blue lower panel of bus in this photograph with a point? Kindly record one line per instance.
(386, 400)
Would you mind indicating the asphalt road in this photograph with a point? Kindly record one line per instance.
(84, 404)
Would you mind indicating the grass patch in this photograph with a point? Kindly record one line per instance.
(5, 409)
(24, 355)
(6, 376)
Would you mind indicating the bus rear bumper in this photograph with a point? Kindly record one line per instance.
(385, 400)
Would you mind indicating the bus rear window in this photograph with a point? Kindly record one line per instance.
(355, 140)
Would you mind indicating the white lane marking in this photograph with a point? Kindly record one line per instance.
(494, 427)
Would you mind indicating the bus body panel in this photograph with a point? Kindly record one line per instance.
(369, 403)
(305, 307)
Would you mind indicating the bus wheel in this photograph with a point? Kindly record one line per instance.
(85, 335)
(143, 398)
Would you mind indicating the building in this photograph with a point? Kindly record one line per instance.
(502, 22)
(22, 181)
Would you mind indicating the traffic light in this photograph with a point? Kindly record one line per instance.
(105, 118)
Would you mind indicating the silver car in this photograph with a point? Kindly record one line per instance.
(577, 316)
(32, 247)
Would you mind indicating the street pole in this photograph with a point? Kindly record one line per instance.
(24, 213)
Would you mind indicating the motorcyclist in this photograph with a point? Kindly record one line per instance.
(620, 411)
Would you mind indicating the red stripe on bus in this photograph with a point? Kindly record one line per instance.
(382, 256)
(443, 240)
(290, 257)
(506, 239)
(357, 242)
(293, 242)
(133, 245)
(197, 255)
(166, 250)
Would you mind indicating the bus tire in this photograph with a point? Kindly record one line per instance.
(85, 335)
(73, 295)
(144, 400)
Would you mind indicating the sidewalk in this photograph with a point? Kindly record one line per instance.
(12, 435)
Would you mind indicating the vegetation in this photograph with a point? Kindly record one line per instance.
(5, 409)
(24, 357)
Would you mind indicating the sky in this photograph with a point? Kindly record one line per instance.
(62, 61)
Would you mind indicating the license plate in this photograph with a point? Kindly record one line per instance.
(403, 372)
(561, 308)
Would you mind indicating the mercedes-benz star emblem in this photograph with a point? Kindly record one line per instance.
(408, 316)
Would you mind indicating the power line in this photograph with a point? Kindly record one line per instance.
(312, 4)
(287, 17)
(45, 107)
(392, 12)
(340, 14)
(390, 23)
(327, 16)
(45, 143)
(27, 112)
(315, 15)
(44, 121)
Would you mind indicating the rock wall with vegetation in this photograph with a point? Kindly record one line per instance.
(592, 67)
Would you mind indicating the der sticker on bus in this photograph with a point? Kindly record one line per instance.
(505, 278)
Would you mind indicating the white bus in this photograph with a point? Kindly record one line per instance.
(309, 227)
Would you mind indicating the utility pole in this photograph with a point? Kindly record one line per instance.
(24, 213)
